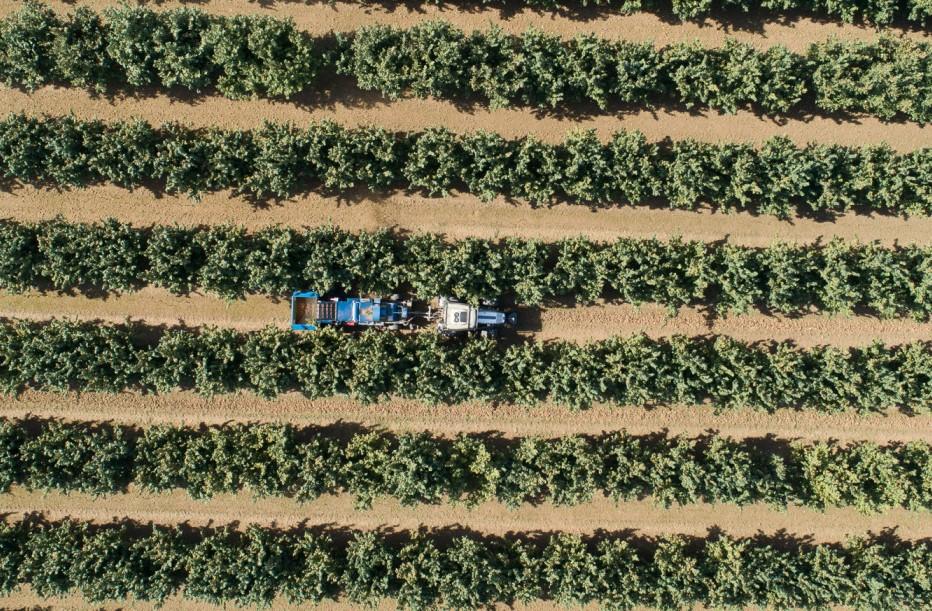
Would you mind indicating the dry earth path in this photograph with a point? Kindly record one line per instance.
(24, 599)
(458, 216)
(350, 106)
(154, 306)
(319, 17)
(643, 517)
(444, 420)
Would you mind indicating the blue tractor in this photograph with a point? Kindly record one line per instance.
(309, 312)
(453, 317)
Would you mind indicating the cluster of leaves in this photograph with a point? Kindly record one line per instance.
(240, 56)
(838, 277)
(279, 460)
(247, 56)
(63, 355)
(427, 570)
(279, 160)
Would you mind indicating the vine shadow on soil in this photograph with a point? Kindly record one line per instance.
(727, 19)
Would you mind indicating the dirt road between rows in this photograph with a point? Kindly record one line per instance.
(457, 216)
(24, 599)
(353, 107)
(318, 17)
(445, 420)
(643, 517)
(158, 307)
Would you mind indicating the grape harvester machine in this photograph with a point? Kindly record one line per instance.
(452, 317)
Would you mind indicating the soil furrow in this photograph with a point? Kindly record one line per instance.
(507, 420)
(457, 216)
(350, 106)
(643, 517)
(318, 17)
(156, 307)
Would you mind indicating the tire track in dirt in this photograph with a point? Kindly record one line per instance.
(643, 516)
(448, 420)
(457, 216)
(350, 106)
(317, 17)
(158, 307)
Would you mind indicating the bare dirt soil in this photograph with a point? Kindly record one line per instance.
(352, 107)
(457, 216)
(24, 599)
(643, 517)
(340, 16)
(445, 420)
(154, 306)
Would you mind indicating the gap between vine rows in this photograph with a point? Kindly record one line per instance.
(581, 323)
(492, 518)
(317, 17)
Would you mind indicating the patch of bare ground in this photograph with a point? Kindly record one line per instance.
(457, 216)
(158, 307)
(448, 420)
(643, 516)
(319, 17)
(24, 599)
(351, 106)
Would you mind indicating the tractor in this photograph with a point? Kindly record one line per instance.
(452, 317)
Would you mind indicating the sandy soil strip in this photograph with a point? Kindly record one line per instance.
(457, 216)
(508, 420)
(24, 599)
(323, 17)
(154, 306)
(353, 107)
(643, 517)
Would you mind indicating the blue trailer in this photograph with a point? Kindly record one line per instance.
(309, 312)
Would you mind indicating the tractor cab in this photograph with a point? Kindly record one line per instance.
(455, 317)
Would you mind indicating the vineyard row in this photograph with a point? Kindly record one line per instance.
(281, 160)
(457, 571)
(250, 56)
(304, 464)
(63, 355)
(838, 277)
